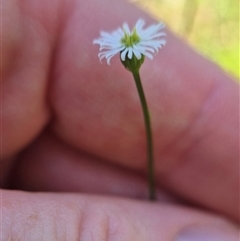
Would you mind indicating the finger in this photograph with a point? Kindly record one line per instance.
(50, 165)
(194, 109)
(26, 56)
(79, 217)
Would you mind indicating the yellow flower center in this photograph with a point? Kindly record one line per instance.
(130, 40)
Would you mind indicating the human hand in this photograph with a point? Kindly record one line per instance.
(73, 130)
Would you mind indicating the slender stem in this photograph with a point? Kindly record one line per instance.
(137, 79)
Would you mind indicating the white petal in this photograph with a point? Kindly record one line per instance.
(120, 31)
(103, 42)
(162, 42)
(149, 31)
(111, 40)
(154, 29)
(139, 25)
(110, 46)
(160, 34)
(117, 35)
(126, 28)
(144, 48)
(156, 42)
(161, 25)
(106, 35)
(123, 54)
(108, 54)
(130, 53)
(109, 58)
(96, 41)
(137, 53)
(148, 55)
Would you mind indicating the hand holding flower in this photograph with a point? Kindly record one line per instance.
(133, 46)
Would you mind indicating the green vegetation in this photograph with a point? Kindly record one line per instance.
(212, 27)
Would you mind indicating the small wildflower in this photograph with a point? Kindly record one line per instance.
(133, 44)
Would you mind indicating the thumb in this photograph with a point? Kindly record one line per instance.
(79, 217)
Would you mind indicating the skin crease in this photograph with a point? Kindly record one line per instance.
(69, 121)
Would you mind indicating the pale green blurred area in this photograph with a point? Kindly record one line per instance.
(211, 26)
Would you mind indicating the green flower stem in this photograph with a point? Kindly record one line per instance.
(136, 76)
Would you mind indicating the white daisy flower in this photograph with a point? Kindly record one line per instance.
(137, 42)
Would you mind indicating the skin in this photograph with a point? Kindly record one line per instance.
(73, 131)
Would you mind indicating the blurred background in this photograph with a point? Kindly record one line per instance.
(210, 26)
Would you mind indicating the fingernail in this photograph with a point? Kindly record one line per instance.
(208, 234)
